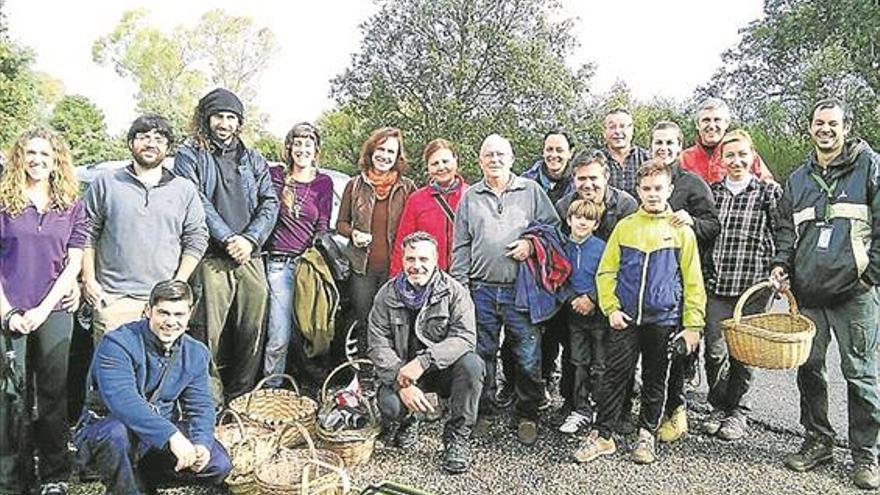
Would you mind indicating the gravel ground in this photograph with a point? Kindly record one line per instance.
(500, 465)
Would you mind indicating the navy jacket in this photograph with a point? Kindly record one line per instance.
(126, 370)
(540, 280)
(584, 257)
(199, 166)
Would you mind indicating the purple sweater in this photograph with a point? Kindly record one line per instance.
(294, 235)
(33, 251)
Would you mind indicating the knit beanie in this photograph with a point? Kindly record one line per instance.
(221, 100)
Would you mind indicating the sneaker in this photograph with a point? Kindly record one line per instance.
(814, 451)
(574, 422)
(560, 415)
(593, 447)
(712, 423)
(866, 476)
(733, 427)
(527, 431)
(505, 396)
(58, 488)
(673, 427)
(644, 453)
(408, 433)
(455, 457)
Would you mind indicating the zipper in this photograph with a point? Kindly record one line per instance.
(642, 285)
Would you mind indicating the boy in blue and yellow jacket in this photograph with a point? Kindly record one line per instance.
(650, 286)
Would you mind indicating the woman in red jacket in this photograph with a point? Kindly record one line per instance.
(432, 208)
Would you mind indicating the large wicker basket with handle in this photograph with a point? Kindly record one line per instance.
(309, 471)
(355, 446)
(769, 340)
(277, 408)
(248, 445)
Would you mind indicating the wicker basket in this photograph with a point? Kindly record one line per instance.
(303, 471)
(353, 446)
(769, 340)
(248, 445)
(277, 408)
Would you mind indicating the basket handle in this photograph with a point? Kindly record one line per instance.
(737, 311)
(337, 370)
(262, 382)
(304, 485)
(238, 422)
(302, 431)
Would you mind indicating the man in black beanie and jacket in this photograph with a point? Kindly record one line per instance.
(240, 208)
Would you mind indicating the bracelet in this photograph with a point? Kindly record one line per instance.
(4, 324)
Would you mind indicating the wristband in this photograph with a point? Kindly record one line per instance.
(4, 324)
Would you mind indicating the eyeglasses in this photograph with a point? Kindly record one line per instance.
(146, 138)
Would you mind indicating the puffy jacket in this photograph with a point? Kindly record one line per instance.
(851, 263)
(446, 326)
(423, 212)
(619, 204)
(710, 167)
(555, 189)
(314, 307)
(198, 165)
(651, 271)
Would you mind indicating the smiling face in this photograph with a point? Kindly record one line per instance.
(582, 226)
(712, 123)
(168, 320)
(303, 151)
(496, 159)
(385, 155)
(654, 191)
(419, 262)
(828, 130)
(442, 166)
(148, 148)
(737, 157)
(666, 145)
(618, 131)
(557, 153)
(591, 181)
(224, 126)
(39, 160)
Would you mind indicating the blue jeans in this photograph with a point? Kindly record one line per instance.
(280, 275)
(128, 467)
(495, 309)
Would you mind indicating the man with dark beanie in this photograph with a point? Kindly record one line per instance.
(240, 208)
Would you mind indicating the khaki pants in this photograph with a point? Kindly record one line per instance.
(118, 311)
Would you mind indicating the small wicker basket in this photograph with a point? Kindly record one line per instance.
(248, 445)
(769, 340)
(353, 446)
(308, 471)
(277, 408)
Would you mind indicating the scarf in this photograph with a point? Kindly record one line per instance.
(453, 186)
(381, 183)
(412, 296)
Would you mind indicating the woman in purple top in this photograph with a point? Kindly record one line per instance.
(306, 201)
(42, 234)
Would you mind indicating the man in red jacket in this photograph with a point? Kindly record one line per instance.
(704, 157)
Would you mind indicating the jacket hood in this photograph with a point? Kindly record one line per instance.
(852, 148)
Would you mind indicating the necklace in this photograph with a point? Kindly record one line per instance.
(294, 201)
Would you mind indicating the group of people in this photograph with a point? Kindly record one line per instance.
(609, 257)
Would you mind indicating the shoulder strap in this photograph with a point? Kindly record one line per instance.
(444, 205)
(171, 362)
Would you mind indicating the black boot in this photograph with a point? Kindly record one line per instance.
(408, 433)
(455, 457)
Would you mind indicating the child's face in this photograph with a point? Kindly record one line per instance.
(654, 191)
(582, 226)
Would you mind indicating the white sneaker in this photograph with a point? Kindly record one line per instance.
(574, 422)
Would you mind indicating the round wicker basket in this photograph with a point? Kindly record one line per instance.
(309, 471)
(769, 340)
(248, 445)
(353, 446)
(277, 408)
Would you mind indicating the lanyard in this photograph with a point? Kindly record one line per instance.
(829, 192)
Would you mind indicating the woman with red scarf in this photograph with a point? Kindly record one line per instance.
(369, 214)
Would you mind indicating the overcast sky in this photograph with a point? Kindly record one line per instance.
(658, 48)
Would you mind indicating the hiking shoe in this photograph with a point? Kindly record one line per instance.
(673, 427)
(58, 488)
(455, 457)
(712, 423)
(814, 451)
(408, 433)
(527, 431)
(593, 447)
(506, 395)
(644, 451)
(574, 422)
(866, 476)
(733, 427)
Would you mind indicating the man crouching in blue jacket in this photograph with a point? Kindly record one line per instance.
(149, 415)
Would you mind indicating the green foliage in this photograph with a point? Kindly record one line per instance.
(19, 90)
(342, 133)
(173, 70)
(82, 125)
(269, 146)
(461, 69)
(783, 153)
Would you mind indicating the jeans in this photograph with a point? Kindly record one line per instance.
(280, 274)
(495, 308)
(589, 340)
(855, 327)
(462, 383)
(128, 467)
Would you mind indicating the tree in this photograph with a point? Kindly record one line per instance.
(342, 134)
(173, 70)
(462, 69)
(799, 52)
(82, 125)
(19, 88)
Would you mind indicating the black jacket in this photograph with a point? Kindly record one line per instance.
(618, 205)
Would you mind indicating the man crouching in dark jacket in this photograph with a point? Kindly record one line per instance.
(422, 336)
(149, 416)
